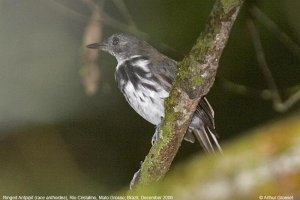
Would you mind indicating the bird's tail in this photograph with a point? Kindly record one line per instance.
(202, 128)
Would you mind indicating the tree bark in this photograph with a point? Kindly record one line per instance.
(195, 76)
(262, 164)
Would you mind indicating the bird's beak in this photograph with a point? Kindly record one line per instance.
(101, 46)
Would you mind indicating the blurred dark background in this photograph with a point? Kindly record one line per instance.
(56, 138)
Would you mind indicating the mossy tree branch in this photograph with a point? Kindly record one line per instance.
(265, 161)
(195, 76)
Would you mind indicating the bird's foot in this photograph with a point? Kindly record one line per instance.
(135, 178)
(158, 134)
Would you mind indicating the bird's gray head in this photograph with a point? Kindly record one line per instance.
(123, 46)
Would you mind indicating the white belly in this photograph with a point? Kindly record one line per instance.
(147, 103)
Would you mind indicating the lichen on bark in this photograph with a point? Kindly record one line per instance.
(195, 76)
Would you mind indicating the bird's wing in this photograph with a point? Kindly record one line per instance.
(164, 72)
(202, 126)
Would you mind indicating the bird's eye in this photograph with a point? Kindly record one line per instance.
(115, 41)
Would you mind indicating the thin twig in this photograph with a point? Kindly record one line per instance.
(58, 6)
(262, 62)
(284, 38)
(263, 94)
(278, 103)
(110, 21)
(244, 90)
(124, 11)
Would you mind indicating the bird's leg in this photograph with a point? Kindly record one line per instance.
(135, 178)
(158, 133)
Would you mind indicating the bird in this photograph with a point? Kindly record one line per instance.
(145, 77)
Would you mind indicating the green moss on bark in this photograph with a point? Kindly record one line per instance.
(195, 76)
